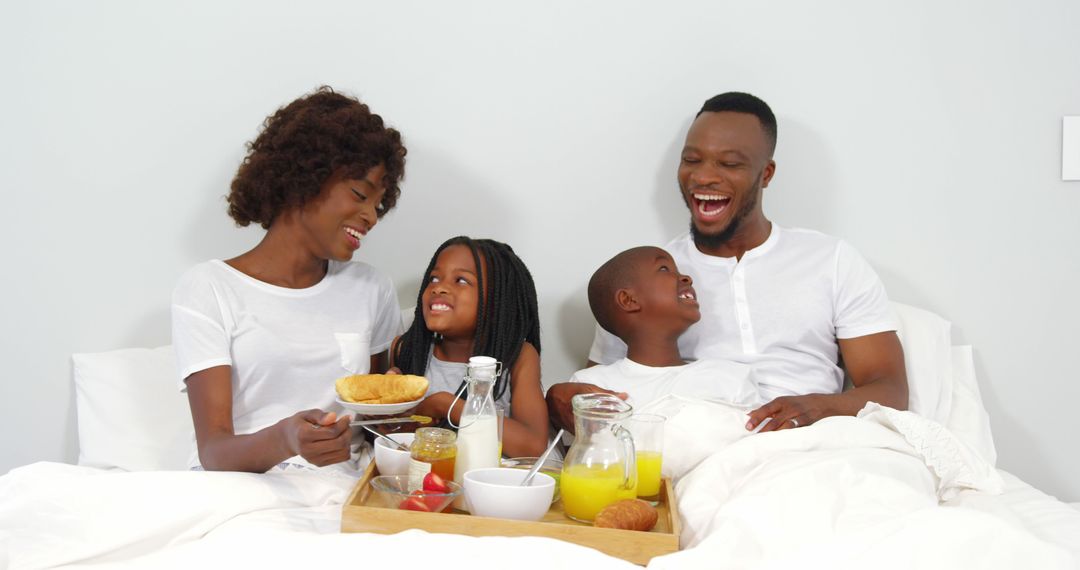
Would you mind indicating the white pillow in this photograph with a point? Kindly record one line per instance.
(130, 414)
(927, 346)
(968, 419)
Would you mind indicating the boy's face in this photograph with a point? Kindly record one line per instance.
(664, 293)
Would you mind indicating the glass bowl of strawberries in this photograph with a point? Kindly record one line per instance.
(434, 496)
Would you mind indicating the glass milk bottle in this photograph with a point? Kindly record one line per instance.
(478, 436)
(599, 468)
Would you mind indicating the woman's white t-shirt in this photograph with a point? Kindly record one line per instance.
(286, 346)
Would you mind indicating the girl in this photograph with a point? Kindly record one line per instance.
(479, 299)
(261, 337)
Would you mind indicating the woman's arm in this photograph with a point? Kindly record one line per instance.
(525, 432)
(320, 438)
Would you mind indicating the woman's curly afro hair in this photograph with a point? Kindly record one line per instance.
(302, 145)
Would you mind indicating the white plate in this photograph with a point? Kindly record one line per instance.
(378, 409)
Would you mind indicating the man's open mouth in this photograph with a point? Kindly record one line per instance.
(710, 205)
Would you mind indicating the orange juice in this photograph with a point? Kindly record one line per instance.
(587, 489)
(648, 474)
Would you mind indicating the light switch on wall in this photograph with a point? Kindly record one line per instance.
(1070, 148)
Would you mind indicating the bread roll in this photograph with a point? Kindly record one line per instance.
(628, 514)
(381, 388)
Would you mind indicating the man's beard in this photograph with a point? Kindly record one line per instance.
(714, 241)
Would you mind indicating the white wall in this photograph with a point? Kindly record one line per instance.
(925, 133)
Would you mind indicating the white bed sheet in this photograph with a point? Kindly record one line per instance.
(58, 515)
(1026, 507)
(844, 493)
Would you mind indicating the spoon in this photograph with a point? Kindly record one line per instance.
(540, 460)
(416, 419)
(393, 444)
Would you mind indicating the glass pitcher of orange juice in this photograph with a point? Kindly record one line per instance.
(599, 469)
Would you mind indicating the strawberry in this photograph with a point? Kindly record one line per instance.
(415, 503)
(435, 484)
(434, 502)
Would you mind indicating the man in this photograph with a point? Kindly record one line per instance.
(793, 304)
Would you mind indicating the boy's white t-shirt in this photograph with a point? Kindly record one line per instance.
(286, 346)
(709, 380)
(780, 309)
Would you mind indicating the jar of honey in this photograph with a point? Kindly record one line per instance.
(434, 449)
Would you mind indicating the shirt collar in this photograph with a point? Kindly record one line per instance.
(768, 244)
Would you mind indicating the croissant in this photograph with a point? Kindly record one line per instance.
(381, 388)
(628, 514)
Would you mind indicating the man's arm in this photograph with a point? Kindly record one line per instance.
(875, 364)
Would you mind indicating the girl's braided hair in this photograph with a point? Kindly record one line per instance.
(506, 311)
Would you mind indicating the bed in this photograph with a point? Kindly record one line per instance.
(886, 489)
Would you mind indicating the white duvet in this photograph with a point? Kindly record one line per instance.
(885, 490)
(845, 492)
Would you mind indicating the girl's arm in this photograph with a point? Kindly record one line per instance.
(437, 406)
(525, 432)
(320, 438)
(380, 363)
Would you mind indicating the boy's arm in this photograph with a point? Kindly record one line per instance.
(560, 411)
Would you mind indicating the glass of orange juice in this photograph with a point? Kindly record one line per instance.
(648, 432)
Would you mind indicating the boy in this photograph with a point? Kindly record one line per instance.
(640, 297)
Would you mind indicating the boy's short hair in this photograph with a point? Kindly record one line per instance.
(616, 273)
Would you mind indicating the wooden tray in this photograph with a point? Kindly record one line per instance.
(637, 547)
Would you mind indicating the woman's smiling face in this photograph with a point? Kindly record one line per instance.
(452, 293)
(342, 214)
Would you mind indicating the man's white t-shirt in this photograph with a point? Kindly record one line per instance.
(709, 380)
(780, 309)
(286, 346)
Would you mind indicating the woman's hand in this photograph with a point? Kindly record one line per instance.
(319, 437)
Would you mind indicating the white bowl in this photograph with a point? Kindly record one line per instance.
(496, 492)
(391, 461)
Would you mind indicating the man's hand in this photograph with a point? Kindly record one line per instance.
(560, 411)
(875, 364)
(790, 412)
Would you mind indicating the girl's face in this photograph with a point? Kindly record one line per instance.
(341, 215)
(452, 293)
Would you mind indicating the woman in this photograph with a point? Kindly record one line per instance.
(260, 338)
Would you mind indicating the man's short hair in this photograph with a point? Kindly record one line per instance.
(736, 102)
